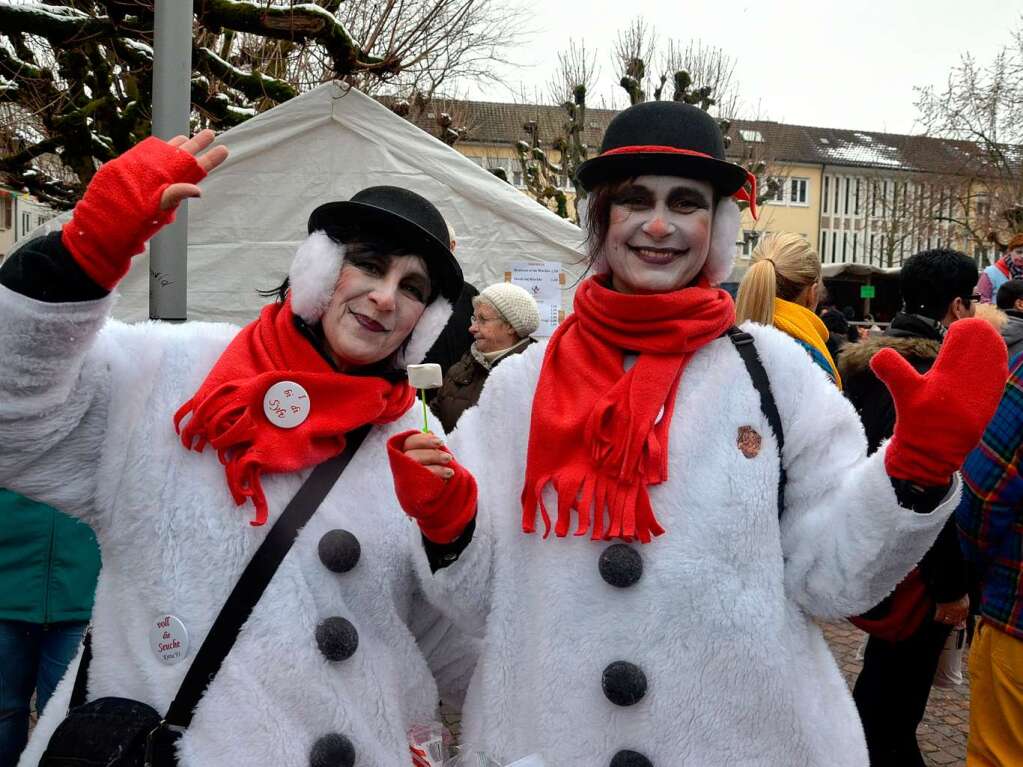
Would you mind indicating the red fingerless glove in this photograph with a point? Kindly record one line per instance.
(121, 208)
(442, 507)
(940, 416)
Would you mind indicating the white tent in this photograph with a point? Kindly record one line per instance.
(326, 145)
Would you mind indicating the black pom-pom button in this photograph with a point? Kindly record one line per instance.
(334, 750)
(339, 551)
(626, 758)
(620, 565)
(624, 683)
(337, 639)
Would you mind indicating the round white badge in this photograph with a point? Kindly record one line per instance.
(169, 639)
(286, 404)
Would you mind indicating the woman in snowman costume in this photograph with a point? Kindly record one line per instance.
(123, 425)
(669, 620)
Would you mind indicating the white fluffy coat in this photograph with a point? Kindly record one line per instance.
(87, 427)
(722, 619)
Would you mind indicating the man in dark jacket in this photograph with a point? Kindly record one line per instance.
(1010, 300)
(49, 563)
(892, 689)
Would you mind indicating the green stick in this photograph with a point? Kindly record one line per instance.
(426, 425)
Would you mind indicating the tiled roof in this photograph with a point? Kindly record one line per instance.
(501, 123)
(855, 148)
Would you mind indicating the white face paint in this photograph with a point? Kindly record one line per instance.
(376, 304)
(1016, 254)
(659, 234)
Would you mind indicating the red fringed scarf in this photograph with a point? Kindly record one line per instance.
(599, 434)
(227, 410)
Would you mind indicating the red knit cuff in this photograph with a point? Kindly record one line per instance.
(442, 507)
(903, 461)
(121, 208)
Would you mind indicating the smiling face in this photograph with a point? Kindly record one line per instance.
(377, 302)
(659, 233)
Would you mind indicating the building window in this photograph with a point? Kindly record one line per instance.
(870, 254)
(751, 136)
(824, 244)
(778, 196)
(983, 205)
(826, 189)
(797, 190)
(846, 207)
(25, 224)
(857, 208)
(837, 185)
(845, 235)
(856, 238)
(834, 241)
(6, 211)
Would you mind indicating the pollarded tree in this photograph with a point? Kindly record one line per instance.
(76, 75)
(982, 106)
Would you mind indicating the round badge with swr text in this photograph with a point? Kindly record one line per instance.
(286, 404)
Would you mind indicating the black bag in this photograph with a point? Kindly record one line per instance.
(119, 732)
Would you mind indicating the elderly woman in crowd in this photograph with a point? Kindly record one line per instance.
(504, 318)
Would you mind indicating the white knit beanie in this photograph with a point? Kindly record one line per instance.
(515, 305)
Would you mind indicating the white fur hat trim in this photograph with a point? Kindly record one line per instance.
(724, 233)
(313, 275)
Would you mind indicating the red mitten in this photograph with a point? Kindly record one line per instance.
(121, 208)
(442, 507)
(940, 416)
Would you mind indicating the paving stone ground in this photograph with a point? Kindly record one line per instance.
(942, 734)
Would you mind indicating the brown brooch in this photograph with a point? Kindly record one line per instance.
(748, 441)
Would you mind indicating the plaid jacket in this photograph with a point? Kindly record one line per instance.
(990, 515)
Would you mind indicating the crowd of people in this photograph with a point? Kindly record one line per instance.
(611, 547)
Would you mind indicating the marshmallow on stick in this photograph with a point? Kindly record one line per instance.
(425, 377)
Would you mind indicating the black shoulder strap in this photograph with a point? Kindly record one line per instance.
(748, 352)
(246, 593)
(254, 580)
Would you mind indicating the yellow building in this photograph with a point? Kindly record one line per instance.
(861, 197)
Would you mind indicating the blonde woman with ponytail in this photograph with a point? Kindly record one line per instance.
(782, 289)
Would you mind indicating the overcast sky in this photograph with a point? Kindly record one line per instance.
(829, 63)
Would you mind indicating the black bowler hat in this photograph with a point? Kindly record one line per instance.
(664, 138)
(398, 215)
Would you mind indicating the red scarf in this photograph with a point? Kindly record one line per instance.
(595, 433)
(227, 410)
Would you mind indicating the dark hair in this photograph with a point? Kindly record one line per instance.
(835, 322)
(932, 279)
(598, 216)
(1010, 292)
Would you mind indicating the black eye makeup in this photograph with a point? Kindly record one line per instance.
(687, 198)
(633, 196)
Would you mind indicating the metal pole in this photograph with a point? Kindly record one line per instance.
(172, 104)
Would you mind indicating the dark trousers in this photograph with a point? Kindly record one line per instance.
(892, 690)
(33, 658)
